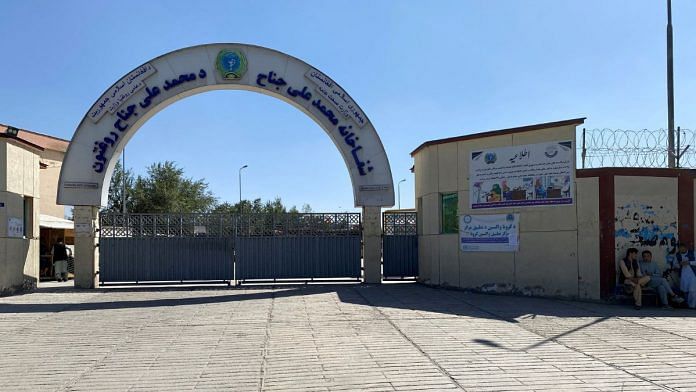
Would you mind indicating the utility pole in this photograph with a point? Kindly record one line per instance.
(124, 209)
(240, 184)
(670, 90)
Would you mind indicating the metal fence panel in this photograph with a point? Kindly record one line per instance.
(145, 259)
(298, 257)
(229, 225)
(179, 247)
(400, 255)
(399, 245)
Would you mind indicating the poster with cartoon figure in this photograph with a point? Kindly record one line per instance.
(539, 174)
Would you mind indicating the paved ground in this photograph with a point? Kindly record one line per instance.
(338, 337)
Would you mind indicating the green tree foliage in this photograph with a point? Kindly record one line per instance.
(165, 188)
(115, 200)
(256, 206)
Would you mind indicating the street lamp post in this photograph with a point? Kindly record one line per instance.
(398, 187)
(240, 184)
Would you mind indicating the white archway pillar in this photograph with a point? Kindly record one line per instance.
(86, 246)
(372, 244)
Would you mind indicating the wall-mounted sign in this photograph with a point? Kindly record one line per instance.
(489, 233)
(121, 91)
(83, 230)
(528, 175)
(81, 185)
(15, 227)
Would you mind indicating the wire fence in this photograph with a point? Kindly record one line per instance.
(634, 148)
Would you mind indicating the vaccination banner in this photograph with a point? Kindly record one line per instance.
(489, 233)
(526, 175)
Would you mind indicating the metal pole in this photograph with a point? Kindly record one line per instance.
(670, 88)
(584, 150)
(679, 151)
(240, 185)
(398, 187)
(124, 209)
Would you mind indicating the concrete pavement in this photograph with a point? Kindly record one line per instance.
(336, 338)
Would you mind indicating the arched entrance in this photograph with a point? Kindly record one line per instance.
(120, 111)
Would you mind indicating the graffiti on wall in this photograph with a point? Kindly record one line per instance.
(646, 226)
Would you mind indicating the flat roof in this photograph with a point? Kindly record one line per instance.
(47, 142)
(526, 128)
(19, 140)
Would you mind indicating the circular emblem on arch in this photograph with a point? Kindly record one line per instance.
(232, 64)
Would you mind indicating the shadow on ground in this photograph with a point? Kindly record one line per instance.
(415, 299)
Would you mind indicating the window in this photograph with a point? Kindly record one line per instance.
(28, 217)
(449, 222)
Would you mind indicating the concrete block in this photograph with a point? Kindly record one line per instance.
(588, 237)
(449, 259)
(487, 271)
(567, 132)
(547, 264)
(428, 170)
(447, 167)
(431, 214)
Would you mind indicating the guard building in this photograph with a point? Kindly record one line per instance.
(30, 219)
(507, 211)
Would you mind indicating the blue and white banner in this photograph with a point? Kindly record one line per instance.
(489, 233)
(539, 174)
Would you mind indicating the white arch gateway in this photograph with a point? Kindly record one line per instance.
(120, 111)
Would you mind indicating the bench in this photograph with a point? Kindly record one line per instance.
(649, 295)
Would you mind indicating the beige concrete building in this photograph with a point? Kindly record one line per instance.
(558, 244)
(30, 219)
(563, 250)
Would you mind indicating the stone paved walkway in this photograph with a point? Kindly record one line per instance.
(336, 338)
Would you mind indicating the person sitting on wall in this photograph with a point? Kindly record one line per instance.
(633, 277)
(684, 263)
(60, 261)
(657, 281)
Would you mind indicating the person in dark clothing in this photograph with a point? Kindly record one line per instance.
(60, 261)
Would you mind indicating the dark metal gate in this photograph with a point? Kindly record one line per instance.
(399, 245)
(214, 247)
(295, 246)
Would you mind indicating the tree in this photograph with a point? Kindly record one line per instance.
(256, 206)
(165, 189)
(115, 200)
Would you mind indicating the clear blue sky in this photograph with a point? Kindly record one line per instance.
(420, 70)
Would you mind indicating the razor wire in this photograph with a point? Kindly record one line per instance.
(634, 148)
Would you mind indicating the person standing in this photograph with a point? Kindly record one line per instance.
(632, 276)
(657, 282)
(60, 261)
